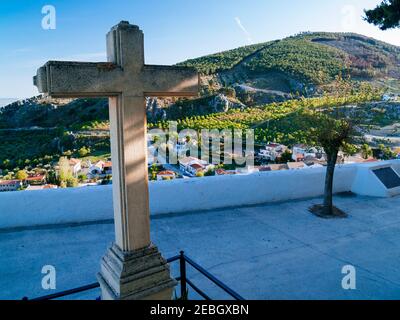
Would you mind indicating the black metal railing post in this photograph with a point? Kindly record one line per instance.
(182, 265)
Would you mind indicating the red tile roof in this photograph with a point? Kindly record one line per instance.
(196, 166)
(108, 164)
(166, 173)
(7, 182)
(36, 178)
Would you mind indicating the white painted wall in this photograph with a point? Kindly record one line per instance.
(33, 208)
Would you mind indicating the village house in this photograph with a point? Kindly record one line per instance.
(272, 152)
(301, 152)
(96, 169)
(10, 185)
(36, 180)
(75, 165)
(166, 175)
(100, 169)
(193, 166)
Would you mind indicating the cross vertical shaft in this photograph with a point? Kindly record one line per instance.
(132, 268)
(128, 144)
(130, 186)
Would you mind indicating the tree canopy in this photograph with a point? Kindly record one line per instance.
(386, 15)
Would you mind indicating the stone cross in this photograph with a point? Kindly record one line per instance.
(126, 80)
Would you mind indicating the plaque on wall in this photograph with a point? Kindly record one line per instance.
(388, 177)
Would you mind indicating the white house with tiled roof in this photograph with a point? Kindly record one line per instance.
(10, 185)
(192, 165)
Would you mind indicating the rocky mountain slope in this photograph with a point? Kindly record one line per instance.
(301, 65)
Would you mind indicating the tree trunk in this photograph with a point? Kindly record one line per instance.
(328, 193)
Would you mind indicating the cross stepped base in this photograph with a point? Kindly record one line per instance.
(140, 275)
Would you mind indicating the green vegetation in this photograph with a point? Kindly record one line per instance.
(21, 175)
(34, 148)
(65, 177)
(366, 151)
(222, 61)
(385, 153)
(386, 15)
(305, 60)
(274, 122)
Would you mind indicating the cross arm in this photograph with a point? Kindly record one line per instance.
(78, 79)
(164, 81)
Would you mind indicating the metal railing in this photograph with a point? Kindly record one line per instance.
(66, 293)
(183, 279)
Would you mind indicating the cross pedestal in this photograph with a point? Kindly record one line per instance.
(133, 268)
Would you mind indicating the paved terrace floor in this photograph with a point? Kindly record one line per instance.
(275, 251)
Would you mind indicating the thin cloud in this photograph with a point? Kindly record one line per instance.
(246, 33)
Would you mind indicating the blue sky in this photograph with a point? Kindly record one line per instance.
(174, 29)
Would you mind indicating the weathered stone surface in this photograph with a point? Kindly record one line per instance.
(135, 275)
(126, 80)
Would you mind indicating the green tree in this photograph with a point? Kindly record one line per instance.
(286, 157)
(72, 182)
(333, 134)
(210, 172)
(153, 172)
(6, 164)
(366, 151)
(65, 176)
(385, 153)
(51, 177)
(82, 177)
(64, 171)
(21, 175)
(334, 129)
(386, 15)
(83, 152)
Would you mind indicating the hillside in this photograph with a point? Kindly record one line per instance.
(304, 64)
(235, 83)
(275, 71)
